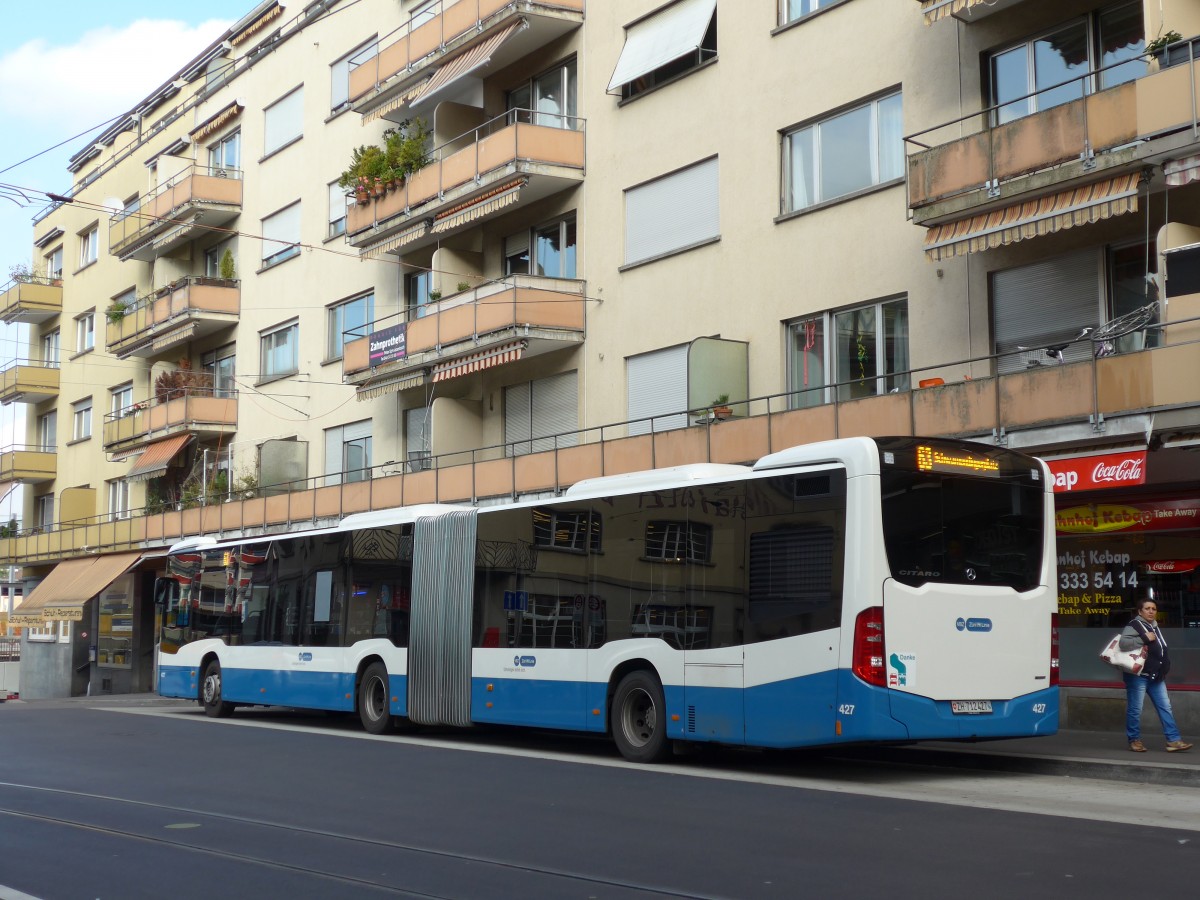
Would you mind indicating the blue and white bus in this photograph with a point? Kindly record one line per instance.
(856, 590)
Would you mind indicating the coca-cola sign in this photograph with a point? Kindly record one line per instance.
(1096, 473)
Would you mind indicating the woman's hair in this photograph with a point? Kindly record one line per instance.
(1141, 603)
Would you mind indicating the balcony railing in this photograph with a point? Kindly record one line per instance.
(28, 464)
(198, 195)
(417, 47)
(509, 153)
(185, 310)
(32, 300)
(554, 308)
(198, 410)
(949, 172)
(1089, 399)
(28, 381)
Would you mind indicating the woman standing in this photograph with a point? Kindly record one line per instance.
(1143, 631)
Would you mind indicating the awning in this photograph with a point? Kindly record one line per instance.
(407, 236)
(391, 385)
(257, 25)
(395, 103)
(1179, 172)
(1045, 215)
(156, 457)
(215, 121)
(70, 585)
(174, 337)
(662, 38)
(465, 63)
(940, 9)
(476, 207)
(476, 362)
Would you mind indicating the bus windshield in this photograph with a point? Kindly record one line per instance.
(954, 514)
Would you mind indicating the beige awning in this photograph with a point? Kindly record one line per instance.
(400, 382)
(258, 24)
(465, 64)
(475, 362)
(71, 584)
(51, 588)
(156, 457)
(940, 9)
(1045, 215)
(216, 121)
(1179, 172)
(171, 338)
(475, 208)
(395, 103)
(407, 236)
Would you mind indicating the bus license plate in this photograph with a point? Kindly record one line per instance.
(970, 707)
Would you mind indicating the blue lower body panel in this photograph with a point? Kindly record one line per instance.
(540, 704)
(178, 681)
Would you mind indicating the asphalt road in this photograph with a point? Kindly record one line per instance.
(156, 801)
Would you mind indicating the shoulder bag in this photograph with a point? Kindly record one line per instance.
(1131, 661)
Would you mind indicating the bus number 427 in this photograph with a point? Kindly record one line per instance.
(846, 709)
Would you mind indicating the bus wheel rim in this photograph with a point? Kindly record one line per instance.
(640, 718)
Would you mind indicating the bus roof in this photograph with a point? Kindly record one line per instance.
(859, 453)
(655, 479)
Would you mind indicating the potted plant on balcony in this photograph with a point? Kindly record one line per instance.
(719, 408)
(227, 268)
(1157, 48)
(117, 310)
(375, 169)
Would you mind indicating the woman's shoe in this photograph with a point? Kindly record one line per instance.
(1176, 746)
(1139, 747)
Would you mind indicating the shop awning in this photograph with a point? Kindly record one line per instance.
(70, 585)
(1045, 215)
(475, 208)
(157, 456)
(662, 38)
(403, 382)
(476, 362)
(941, 9)
(1179, 172)
(465, 64)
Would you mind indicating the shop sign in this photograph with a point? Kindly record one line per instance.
(388, 345)
(1101, 518)
(1098, 473)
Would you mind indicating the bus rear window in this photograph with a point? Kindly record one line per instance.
(962, 530)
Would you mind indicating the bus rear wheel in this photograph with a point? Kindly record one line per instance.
(374, 700)
(639, 721)
(210, 692)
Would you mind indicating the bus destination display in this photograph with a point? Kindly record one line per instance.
(958, 462)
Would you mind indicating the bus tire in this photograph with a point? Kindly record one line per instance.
(210, 692)
(639, 718)
(374, 700)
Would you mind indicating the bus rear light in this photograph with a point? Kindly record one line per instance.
(1053, 649)
(868, 647)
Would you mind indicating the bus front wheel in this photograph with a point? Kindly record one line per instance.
(639, 720)
(210, 692)
(374, 700)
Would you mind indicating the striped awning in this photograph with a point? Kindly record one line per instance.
(157, 456)
(941, 9)
(1179, 172)
(1045, 215)
(476, 362)
(214, 122)
(258, 24)
(171, 338)
(476, 207)
(406, 236)
(395, 103)
(465, 64)
(391, 385)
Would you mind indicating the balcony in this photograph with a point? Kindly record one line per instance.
(28, 381)
(1116, 131)
(31, 300)
(494, 323)
(169, 216)
(27, 464)
(462, 36)
(508, 161)
(188, 309)
(201, 411)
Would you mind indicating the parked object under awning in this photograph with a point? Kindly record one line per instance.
(71, 584)
(662, 38)
(157, 456)
(1045, 215)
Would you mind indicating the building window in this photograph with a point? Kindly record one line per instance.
(118, 499)
(550, 99)
(348, 316)
(425, 12)
(348, 453)
(120, 400)
(337, 210)
(54, 263)
(339, 91)
(417, 438)
(216, 72)
(279, 351)
(89, 246)
(43, 511)
(791, 10)
(213, 257)
(564, 529)
(542, 415)
(51, 348)
(85, 332)
(678, 542)
(672, 213)
(226, 154)
(219, 365)
(670, 43)
(281, 235)
(283, 121)
(657, 390)
(1039, 65)
(48, 632)
(844, 153)
(81, 419)
(417, 287)
(47, 432)
(864, 351)
(123, 303)
(516, 253)
(554, 249)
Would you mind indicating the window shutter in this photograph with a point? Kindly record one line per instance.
(674, 212)
(283, 121)
(333, 456)
(657, 384)
(555, 410)
(518, 422)
(1045, 303)
(279, 230)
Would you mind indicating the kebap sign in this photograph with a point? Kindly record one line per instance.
(1098, 473)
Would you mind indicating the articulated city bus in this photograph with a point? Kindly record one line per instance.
(857, 590)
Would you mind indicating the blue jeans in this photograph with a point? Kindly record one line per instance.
(1136, 689)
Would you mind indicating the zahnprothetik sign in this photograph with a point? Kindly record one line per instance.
(387, 345)
(1098, 473)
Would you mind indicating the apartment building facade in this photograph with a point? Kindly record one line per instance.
(832, 218)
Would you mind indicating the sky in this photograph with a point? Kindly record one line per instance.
(64, 68)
